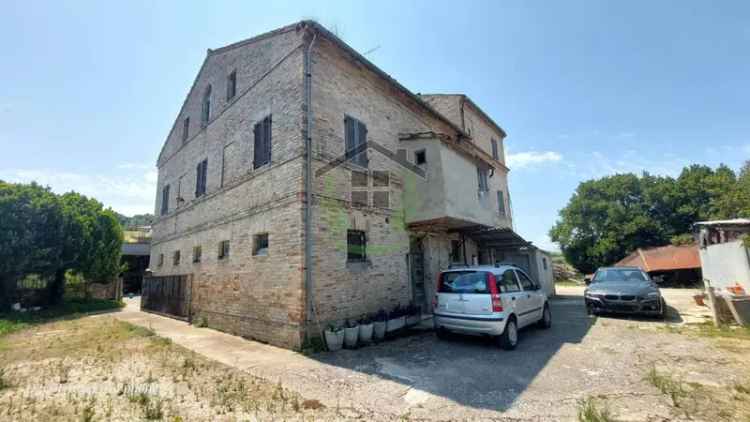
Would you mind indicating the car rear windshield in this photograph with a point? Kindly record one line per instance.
(464, 282)
(626, 275)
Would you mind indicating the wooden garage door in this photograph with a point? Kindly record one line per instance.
(167, 295)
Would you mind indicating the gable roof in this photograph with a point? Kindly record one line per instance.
(663, 258)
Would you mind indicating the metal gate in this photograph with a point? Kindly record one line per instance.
(167, 295)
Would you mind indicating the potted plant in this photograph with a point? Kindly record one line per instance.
(379, 325)
(365, 329)
(413, 314)
(351, 334)
(334, 338)
(396, 319)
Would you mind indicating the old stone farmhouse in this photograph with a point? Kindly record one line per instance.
(301, 185)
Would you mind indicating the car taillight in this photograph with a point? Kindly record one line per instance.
(438, 287)
(497, 303)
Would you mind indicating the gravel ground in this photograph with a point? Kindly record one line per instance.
(637, 369)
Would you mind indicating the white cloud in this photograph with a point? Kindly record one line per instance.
(127, 193)
(531, 158)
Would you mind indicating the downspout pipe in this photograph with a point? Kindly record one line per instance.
(310, 313)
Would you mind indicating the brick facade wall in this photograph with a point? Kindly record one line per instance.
(263, 297)
(259, 297)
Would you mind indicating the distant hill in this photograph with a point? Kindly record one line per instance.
(135, 221)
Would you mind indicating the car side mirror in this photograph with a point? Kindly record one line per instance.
(587, 280)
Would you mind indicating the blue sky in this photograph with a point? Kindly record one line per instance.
(583, 88)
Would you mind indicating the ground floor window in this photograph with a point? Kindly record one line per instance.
(260, 245)
(223, 249)
(356, 246)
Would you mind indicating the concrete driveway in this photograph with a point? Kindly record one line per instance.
(419, 376)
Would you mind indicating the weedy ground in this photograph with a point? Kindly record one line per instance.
(99, 368)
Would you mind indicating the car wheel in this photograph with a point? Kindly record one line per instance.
(508, 340)
(590, 310)
(443, 334)
(662, 309)
(546, 320)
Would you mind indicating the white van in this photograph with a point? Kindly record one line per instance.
(485, 300)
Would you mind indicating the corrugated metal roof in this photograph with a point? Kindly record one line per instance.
(663, 258)
(733, 222)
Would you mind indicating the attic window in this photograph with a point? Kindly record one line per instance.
(185, 129)
(206, 109)
(231, 85)
(420, 157)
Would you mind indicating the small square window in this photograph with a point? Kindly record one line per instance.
(260, 245)
(420, 157)
(161, 260)
(223, 249)
(197, 253)
(176, 258)
(356, 246)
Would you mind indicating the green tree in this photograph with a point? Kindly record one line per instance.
(46, 234)
(604, 220)
(30, 234)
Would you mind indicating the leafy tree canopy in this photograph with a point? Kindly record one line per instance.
(608, 218)
(48, 234)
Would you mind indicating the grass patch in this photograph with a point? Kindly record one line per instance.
(15, 321)
(66, 356)
(708, 329)
(590, 411)
(668, 385)
(4, 383)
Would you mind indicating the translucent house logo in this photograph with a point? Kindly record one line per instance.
(369, 190)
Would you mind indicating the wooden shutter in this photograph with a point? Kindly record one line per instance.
(204, 176)
(267, 140)
(258, 144)
(198, 171)
(349, 137)
(262, 145)
(165, 200)
(362, 144)
(494, 149)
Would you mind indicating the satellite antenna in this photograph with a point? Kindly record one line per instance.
(370, 50)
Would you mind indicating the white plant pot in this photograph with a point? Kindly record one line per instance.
(413, 319)
(378, 330)
(351, 335)
(365, 333)
(395, 324)
(334, 340)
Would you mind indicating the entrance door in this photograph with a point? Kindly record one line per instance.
(416, 266)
